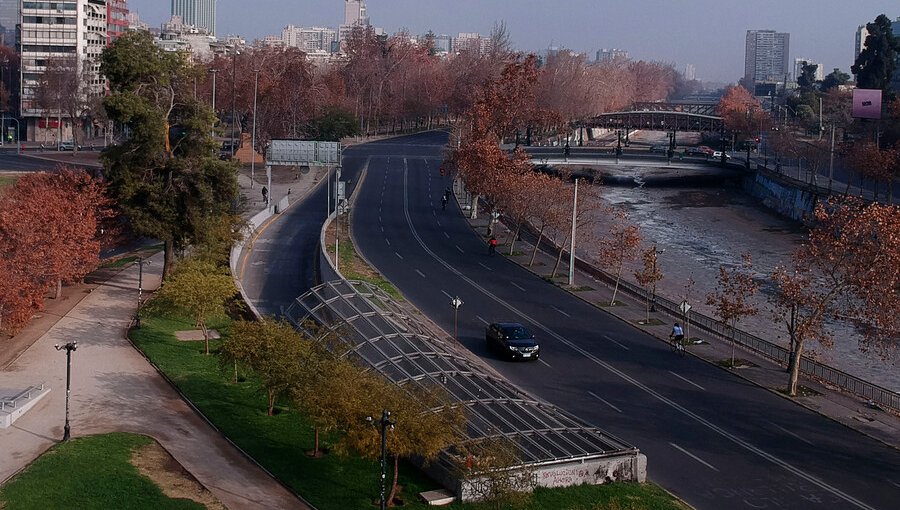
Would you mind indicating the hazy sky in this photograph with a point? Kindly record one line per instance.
(706, 33)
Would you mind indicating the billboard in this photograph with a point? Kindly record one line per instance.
(866, 103)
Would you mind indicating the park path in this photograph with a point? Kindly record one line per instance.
(115, 389)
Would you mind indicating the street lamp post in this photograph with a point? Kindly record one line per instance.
(213, 130)
(69, 347)
(384, 423)
(233, 98)
(253, 142)
(656, 253)
(456, 303)
(572, 240)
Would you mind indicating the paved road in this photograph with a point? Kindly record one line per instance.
(11, 162)
(713, 439)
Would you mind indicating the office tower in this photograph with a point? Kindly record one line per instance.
(116, 19)
(766, 56)
(200, 13)
(309, 39)
(798, 68)
(689, 72)
(611, 54)
(355, 13)
(9, 16)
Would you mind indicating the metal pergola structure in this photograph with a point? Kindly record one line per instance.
(380, 335)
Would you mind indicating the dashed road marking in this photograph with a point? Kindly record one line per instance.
(560, 311)
(460, 249)
(447, 235)
(786, 431)
(446, 293)
(420, 273)
(620, 344)
(398, 255)
(517, 286)
(544, 362)
(598, 397)
(484, 266)
(482, 320)
(388, 241)
(691, 455)
(687, 380)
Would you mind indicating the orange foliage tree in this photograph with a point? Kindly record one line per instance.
(731, 299)
(849, 267)
(49, 236)
(619, 246)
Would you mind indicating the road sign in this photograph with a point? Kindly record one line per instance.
(341, 190)
(303, 153)
(685, 307)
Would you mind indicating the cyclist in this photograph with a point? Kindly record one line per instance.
(677, 335)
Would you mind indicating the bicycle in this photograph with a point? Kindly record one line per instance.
(678, 346)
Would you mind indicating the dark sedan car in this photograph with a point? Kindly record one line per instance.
(512, 340)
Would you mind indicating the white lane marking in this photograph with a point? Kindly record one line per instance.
(807, 441)
(560, 311)
(545, 363)
(484, 266)
(517, 286)
(398, 255)
(895, 484)
(750, 447)
(420, 273)
(687, 380)
(460, 249)
(482, 320)
(447, 235)
(438, 222)
(382, 229)
(388, 241)
(379, 219)
(446, 293)
(691, 455)
(598, 397)
(620, 344)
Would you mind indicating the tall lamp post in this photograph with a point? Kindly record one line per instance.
(253, 142)
(213, 130)
(69, 347)
(384, 423)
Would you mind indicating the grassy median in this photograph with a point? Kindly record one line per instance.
(97, 472)
(281, 442)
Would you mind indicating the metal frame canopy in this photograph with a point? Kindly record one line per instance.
(380, 335)
(303, 153)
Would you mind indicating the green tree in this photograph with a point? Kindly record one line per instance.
(199, 289)
(875, 64)
(333, 124)
(807, 79)
(835, 79)
(273, 349)
(163, 175)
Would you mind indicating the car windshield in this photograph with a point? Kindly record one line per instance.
(517, 333)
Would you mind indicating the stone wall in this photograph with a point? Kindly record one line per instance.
(781, 195)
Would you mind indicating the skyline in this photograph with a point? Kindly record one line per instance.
(698, 32)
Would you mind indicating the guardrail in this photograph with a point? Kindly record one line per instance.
(878, 395)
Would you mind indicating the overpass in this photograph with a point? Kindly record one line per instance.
(659, 117)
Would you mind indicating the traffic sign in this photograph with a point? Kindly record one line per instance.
(685, 307)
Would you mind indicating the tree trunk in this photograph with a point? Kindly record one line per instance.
(612, 301)
(205, 331)
(316, 443)
(795, 369)
(648, 308)
(168, 257)
(474, 214)
(270, 401)
(393, 493)
(536, 245)
(512, 243)
(559, 256)
(58, 289)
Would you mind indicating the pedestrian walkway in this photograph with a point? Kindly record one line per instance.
(828, 401)
(115, 389)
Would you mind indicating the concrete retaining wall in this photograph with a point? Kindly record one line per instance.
(784, 197)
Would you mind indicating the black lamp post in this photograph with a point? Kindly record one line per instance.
(385, 423)
(69, 347)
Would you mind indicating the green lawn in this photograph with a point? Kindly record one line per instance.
(280, 442)
(86, 473)
(6, 180)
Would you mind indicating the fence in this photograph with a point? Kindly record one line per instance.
(883, 397)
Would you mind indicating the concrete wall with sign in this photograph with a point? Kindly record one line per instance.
(780, 195)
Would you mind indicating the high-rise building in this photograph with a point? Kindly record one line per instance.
(199, 13)
(116, 19)
(9, 16)
(862, 33)
(690, 73)
(355, 13)
(766, 56)
(611, 54)
(309, 39)
(73, 32)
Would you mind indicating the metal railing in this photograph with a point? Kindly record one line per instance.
(25, 394)
(875, 394)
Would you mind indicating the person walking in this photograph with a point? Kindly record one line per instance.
(492, 245)
(444, 201)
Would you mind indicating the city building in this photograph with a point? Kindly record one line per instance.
(611, 54)
(176, 35)
(310, 39)
(135, 23)
(798, 68)
(443, 44)
(472, 42)
(116, 19)
(690, 73)
(199, 13)
(766, 56)
(9, 16)
(862, 33)
(56, 31)
(354, 16)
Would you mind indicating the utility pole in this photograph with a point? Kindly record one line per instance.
(212, 132)
(253, 143)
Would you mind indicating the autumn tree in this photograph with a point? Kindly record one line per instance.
(877, 164)
(164, 175)
(199, 289)
(273, 349)
(742, 113)
(649, 274)
(849, 267)
(731, 300)
(618, 247)
(551, 210)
